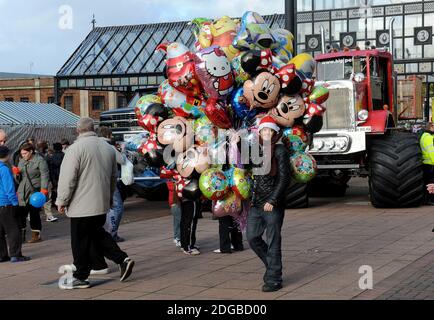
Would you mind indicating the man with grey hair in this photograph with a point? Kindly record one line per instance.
(85, 193)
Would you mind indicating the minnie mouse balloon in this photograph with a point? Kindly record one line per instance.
(215, 72)
(194, 159)
(154, 114)
(214, 184)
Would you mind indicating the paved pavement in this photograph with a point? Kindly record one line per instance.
(323, 248)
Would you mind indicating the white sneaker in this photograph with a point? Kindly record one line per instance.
(177, 243)
(99, 272)
(217, 251)
(67, 267)
(73, 268)
(195, 252)
(52, 219)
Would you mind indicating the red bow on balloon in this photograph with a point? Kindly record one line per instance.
(180, 182)
(286, 74)
(150, 145)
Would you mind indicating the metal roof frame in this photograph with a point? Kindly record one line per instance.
(119, 80)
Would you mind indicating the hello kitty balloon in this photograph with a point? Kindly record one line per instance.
(215, 72)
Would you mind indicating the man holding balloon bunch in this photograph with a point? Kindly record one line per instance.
(271, 181)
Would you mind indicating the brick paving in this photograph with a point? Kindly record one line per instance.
(323, 248)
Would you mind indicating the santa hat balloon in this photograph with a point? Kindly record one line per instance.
(268, 122)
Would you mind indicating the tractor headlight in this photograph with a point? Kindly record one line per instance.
(341, 144)
(318, 144)
(363, 115)
(329, 144)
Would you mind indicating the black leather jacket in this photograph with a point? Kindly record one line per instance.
(272, 189)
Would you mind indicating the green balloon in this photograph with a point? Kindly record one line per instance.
(214, 184)
(303, 167)
(242, 183)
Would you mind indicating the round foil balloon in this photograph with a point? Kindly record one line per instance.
(214, 184)
(231, 205)
(242, 183)
(304, 167)
(204, 131)
(143, 104)
(214, 72)
(294, 143)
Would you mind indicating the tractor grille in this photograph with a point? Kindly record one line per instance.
(339, 114)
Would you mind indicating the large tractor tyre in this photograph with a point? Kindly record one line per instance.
(396, 171)
(328, 187)
(296, 197)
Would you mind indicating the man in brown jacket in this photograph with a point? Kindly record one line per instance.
(85, 193)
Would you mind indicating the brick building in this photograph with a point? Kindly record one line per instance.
(15, 87)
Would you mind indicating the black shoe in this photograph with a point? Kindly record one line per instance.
(76, 284)
(5, 259)
(118, 239)
(20, 259)
(126, 269)
(271, 287)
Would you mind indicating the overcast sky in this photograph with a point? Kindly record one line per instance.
(39, 36)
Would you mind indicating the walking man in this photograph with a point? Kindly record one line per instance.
(85, 193)
(268, 209)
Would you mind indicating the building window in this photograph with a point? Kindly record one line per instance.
(50, 100)
(68, 102)
(9, 99)
(122, 102)
(24, 99)
(98, 103)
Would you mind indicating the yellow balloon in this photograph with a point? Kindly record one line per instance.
(304, 62)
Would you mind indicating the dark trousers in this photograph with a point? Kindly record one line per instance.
(9, 226)
(189, 216)
(89, 237)
(230, 234)
(428, 175)
(35, 217)
(269, 252)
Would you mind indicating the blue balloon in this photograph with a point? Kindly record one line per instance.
(38, 200)
(241, 109)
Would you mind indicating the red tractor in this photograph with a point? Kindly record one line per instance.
(360, 136)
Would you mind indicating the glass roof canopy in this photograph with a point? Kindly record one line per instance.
(123, 58)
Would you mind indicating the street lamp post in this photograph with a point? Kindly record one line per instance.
(291, 19)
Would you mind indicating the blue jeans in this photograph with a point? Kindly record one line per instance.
(114, 216)
(176, 212)
(269, 252)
